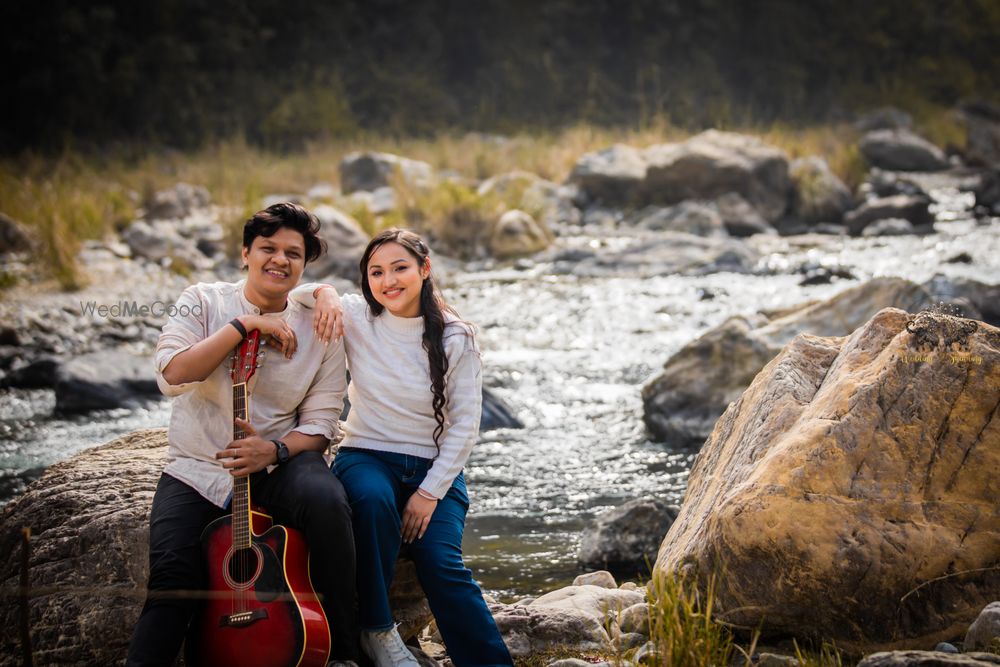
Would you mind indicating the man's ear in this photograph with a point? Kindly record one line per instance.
(244, 253)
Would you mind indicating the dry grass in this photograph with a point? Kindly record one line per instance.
(69, 198)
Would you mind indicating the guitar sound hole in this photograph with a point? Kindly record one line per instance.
(243, 565)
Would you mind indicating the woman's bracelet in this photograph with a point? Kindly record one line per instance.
(424, 494)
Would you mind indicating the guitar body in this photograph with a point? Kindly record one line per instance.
(263, 611)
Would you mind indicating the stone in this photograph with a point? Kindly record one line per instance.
(635, 619)
(627, 641)
(530, 630)
(161, 241)
(345, 243)
(974, 299)
(517, 234)
(496, 414)
(104, 380)
(14, 237)
(741, 219)
(603, 604)
(982, 127)
(850, 492)
(626, 538)
(984, 633)
(915, 208)
(689, 217)
(322, 191)
(369, 171)
(776, 660)
(901, 150)
(601, 578)
(89, 519)
(570, 662)
(889, 227)
(177, 202)
(818, 195)
(39, 373)
(667, 253)
(613, 176)
(929, 659)
(714, 163)
(881, 183)
(945, 647)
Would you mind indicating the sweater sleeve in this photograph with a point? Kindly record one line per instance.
(319, 412)
(354, 304)
(464, 394)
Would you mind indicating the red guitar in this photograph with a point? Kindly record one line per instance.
(262, 610)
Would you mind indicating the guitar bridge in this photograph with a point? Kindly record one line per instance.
(243, 618)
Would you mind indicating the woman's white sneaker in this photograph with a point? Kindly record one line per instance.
(387, 649)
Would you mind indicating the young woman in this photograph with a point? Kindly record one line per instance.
(416, 399)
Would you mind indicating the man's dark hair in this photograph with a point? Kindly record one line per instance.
(271, 219)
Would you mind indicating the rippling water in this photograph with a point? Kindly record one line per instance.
(570, 356)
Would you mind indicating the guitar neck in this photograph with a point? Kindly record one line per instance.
(241, 485)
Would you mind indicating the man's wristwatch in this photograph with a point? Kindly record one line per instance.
(283, 454)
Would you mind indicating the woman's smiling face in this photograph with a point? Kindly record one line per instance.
(395, 277)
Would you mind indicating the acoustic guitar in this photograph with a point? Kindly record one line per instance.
(261, 610)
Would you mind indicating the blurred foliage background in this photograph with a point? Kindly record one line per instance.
(281, 73)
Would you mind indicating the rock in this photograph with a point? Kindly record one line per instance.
(889, 227)
(601, 579)
(534, 629)
(818, 195)
(516, 234)
(613, 176)
(776, 660)
(669, 253)
(177, 202)
(422, 658)
(162, 241)
(884, 118)
(977, 300)
(635, 619)
(915, 208)
(629, 640)
(929, 659)
(901, 150)
(945, 647)
(14, 237)
(602, 604)
(571, 662)
(881, 183)
(322, 191)
(740, 218)
(712, 164)
(689, 217)
(682, 404)
(90, 536)
(848, 493)
(646, 655)
(345, 243)
(960, 258)
(40, 373)
(982, 125)
(104, 380)
(626, 538)
(496, 413)
(987, 192)
(370, 170)
(984, 633)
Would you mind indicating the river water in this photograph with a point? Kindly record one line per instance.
(570, 356)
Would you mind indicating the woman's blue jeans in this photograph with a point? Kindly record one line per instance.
(378, 484)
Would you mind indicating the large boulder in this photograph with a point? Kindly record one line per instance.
(914, 208)
(177, 202)
(104, 380)
(818, 195)
(929, 659)
(850, 493)
(984, 633)
(516, 234)
(345, 243)
(613, 176)
(367, 171)
(682, 403)
(89, 520)
(901, 150)
(714, 163)
(626, 538)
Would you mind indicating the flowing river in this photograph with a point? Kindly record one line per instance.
(569, 355)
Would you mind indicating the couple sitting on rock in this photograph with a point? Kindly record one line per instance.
(397, 477)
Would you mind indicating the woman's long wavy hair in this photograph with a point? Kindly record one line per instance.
(432, 307)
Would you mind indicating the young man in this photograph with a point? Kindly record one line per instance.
(296, 399)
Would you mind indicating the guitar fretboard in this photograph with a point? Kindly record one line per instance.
(241, 485)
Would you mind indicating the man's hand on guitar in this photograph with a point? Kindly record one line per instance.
(247, 455)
